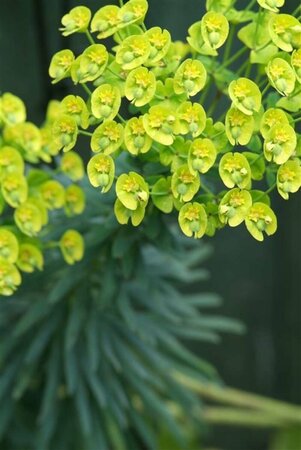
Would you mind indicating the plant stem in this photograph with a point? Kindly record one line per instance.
(256, 28)
(89, 36)
(297, 119)
(296, 10)
(114, 73)
(89, 92)
(121, 118)
(267, 192)
(250, 5)
(121, 3)
(265, 89)
(236, 55)
(85, 133)
(143, 27)
(256, 159)
(229, 43)
(240, 417)
(206, 189)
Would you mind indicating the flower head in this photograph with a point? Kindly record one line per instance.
(101, 171)
(193, 220)
(214, 29)
(234, 207)
(281, 75)
(105, 102)
(107, 137)
(64, 131)
(271, 117)
(133, 52)
(14, 189)
(30, 258)
(140, 86)
(9, 246)
(160, 41)
(11, 161)
(75, 107)
(135, 137)
(285, 32)
(191, 118)
(202, 155)
(289, 178)
(28, 218)
(234, 170)
(92, 63)
(60, 65)
(159, 124)
(72, 166)
(76, 21)
(245, 95)
(12, 109)
(190, 77)
(259, 220)
(74, 200)
(10, 278)
(239, 126)
(280, 143)
(72, 246)
(184, 183)
(132, 190)
(106, 21)
(53, 194)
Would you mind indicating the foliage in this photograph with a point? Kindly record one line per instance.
(177, 150)
(90, 361)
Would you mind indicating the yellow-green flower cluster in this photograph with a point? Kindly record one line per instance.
(29, 195)
(151, 106)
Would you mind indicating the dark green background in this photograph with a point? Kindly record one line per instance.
(260, 282)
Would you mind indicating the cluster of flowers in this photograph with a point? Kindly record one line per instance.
(169, 132)
(28, 195)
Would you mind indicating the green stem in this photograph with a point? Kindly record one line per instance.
(85, 133)
(89, 36)
(294, 13)
(255, 160)
(243, 399)
(114, 73)
(121, 118)
(229, 43)
(143, 27)
(205, 92)
(267, 192)
(89, 92)
(240, 417)
(256, 28)
(51, 244)
(206, 189)
(121, 3)
(265, 89)
(159, 193)
(250, 5)
(243, 67)
(236, 55)
(297, 119)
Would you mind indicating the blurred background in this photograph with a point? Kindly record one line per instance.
(259, 282)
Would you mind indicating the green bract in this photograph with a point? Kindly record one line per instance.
(202, 155)
(214, 29)
(271, 117)
(135, 138)
(234, 207)
(10, 278)
(11, 161)
(72, 246)
(74, 200)
(260, 219)
(133, 11)
(64, 131)
(285, 32)
(60, 65)
(9, 246)
(92, 63)
(160, 41)
(28, 218)
(106, 21)
(107, 137)
(76, 21)
(239, 126)
(14, 189)
(105, 102)
(75, 107)
(234, 170)
(159, 124)
(53, 194)
(289, 178)
(191, 118)
(12, 109)
(101, 171)
(296, 63)
(140, 86)
(281, 75)
(132, 190)
(72, 166)
(190, 77)
(271, 5)
(184, 183)
(133, 52)
(280, 143)
(30, 258)
(245, 95)
(193, 220)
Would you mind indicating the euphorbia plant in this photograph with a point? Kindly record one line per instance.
(211, 170)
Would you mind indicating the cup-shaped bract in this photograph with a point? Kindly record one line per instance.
(76, 21)
(101, 171)
(245, 95)
(221, 6)
(191, 119)
(261, 219)
(234, 170)
(162, 196)
(10, 278)
(72, 246)
(285, 32)
(25, 136)
(30, 258)
(280, 143)
(185, 183)
(9, 246)
(159, 123)
(271, 117)
(107, 137)
(289, 178)
(271, 5)
(160, 41)
(75, 106)
(60, 65)
(74, 200)
(49, 147)
(202, 155)
(281, 75)
(140, 86)
(14, 189)
(106, 21)
(11, 161)
(239, 126)
(215, 29)
(123, 214)
(296, 63)
(133, 11)
(92, 63)
(12, 109)
(132, 190)
(53, 194)
(234, 207)
(135, 137)
(28, 218)
(105, 102)
(193, 220)
(190, 77)
(64, 131)
(72, 166)
(133, 52)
